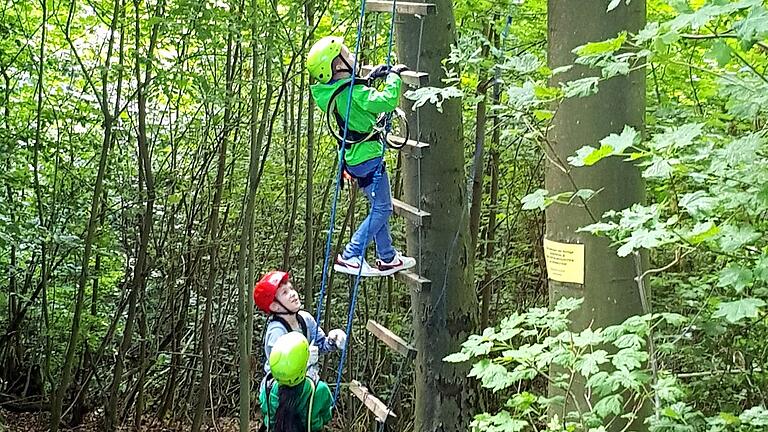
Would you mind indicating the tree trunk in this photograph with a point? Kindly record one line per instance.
(477, 161)
(445, 314)
(309, 264)
(490, 237)
(213, 241)
(69, 359)
(246, 247)
(609, 289)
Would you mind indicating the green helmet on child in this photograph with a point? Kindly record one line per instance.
(288, 359)
(321, 56)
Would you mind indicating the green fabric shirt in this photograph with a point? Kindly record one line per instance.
(321, 407)
(367, 104)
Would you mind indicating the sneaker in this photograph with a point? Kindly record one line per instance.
(351, 266)
(397, 263)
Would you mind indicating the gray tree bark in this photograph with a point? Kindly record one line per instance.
(446, 314)
(609, 290)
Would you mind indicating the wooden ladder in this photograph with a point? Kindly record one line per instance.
(412, 214)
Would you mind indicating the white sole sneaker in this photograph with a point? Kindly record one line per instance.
(354, 269)
(402, 263)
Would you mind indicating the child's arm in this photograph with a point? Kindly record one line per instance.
(376, 101)
(324, 344)
(321, 341)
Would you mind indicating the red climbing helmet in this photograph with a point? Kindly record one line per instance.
(266, 288)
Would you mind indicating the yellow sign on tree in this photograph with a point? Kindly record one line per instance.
(565, 261)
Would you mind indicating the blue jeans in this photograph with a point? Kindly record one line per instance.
(376, 224)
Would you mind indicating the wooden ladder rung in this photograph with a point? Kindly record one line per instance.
(376, 406)
(413, 281)
(418, 217)
(411, 147)
(392, 340)
(411, 78)
(403, 8)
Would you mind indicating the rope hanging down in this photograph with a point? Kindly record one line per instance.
(376, 178)
(340, 165)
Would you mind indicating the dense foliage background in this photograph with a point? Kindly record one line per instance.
(165, 146)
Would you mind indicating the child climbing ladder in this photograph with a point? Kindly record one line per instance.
(332, 64)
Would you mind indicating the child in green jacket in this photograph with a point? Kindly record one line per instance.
(331, 64)
(292, 401)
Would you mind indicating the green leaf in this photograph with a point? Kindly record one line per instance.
(582, 154)
(458, 357)
(736, 276)
(589, 363)
(615, 68)
(638, 215)
(720, 52)
(740, 151)
(755, 416)
(477, 346)
(568, 304)
(728, 418)
(643, 238)
(630, 380)
(650, 31)
(600, 384)
(752, 28)
(609, 405)
(734, 238)
(668, 389)
(677, 137)
(561, 69)
(542, 115)
(585, 194)
(581, 87)
(433, 95)
(659, 168)
(174, 199)
(673, 319)
(522, 401)
(501, 422)
(603, 47)
(698, 204)
(599, 228)
(702, 232)
(613, 5)
(629, 359)
(523, 64)
(588, 337)
(535, 200)
(630, 340)
(736, 311)
(619, 143)
(492, 375)
(761, 268)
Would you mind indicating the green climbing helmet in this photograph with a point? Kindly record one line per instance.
(321, 56)
(288, 359)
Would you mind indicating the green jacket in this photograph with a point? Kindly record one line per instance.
(321, 405)
(367, 104)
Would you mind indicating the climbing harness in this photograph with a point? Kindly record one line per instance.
(379, 132)
(345, 137)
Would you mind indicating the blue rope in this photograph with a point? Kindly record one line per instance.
(340, 164)
(375, 182)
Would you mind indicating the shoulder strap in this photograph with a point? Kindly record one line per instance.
(341, 88)
(268, 384)
(311, 404)
(282, 321)
(353, 137)
(303, 325)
